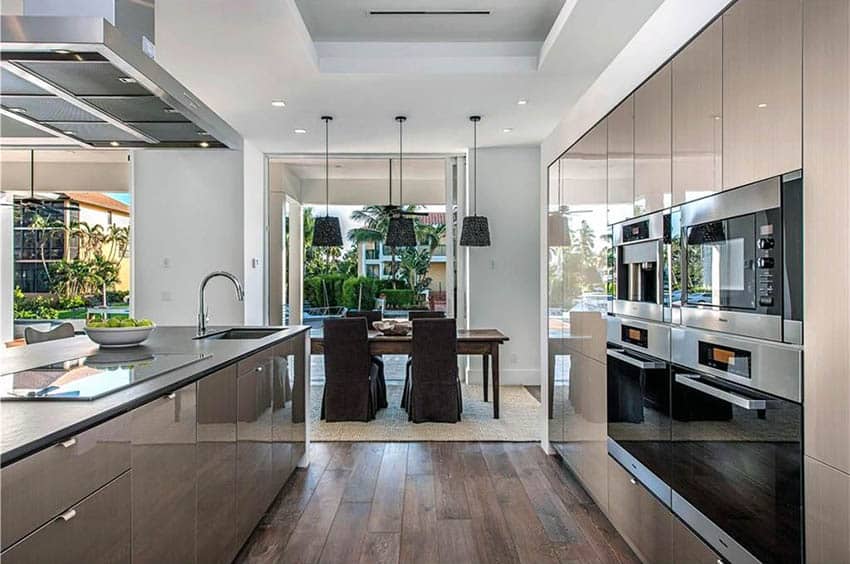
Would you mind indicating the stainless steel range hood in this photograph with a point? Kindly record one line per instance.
(78, 82)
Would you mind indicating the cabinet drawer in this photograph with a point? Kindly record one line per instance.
(255, 361)
(687, 547)
(95, 531)
(40, 487)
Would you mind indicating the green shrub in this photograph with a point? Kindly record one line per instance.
(323, 290)
(359, 293)
(398, 299)
(33, 308)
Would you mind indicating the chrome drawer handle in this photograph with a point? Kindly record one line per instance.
(633, 481)
(171, 396)
(259, 368)
(69, 443)
(68, 515)
(693, 381)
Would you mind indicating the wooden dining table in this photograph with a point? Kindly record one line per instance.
(484, 342)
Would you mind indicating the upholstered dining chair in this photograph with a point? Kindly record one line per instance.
(351, 377)
(371, 316)
(432, 388)
(411, 315)
(61, 331)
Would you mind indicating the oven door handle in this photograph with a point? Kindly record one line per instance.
(693, 381)
(642, 364)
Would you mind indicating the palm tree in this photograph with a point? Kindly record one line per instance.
(430, 235)
(376, 221)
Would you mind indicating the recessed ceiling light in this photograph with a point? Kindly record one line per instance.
(204, 144)
(62, 52)
(69, 132)
(716, 117)
(279, 103)
(170, 111)
(522, 102)
(127, 79)
(18, 110)
(204, 133)
(762, 105)
(114, 143)
(299, 130)
(507, 129)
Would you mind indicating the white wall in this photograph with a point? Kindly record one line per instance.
(503, 279)
(187, 222)
(254, 222)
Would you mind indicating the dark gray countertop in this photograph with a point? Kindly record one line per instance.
(29, 426)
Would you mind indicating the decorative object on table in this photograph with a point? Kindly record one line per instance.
(475, 231)
(400, 230)
(393, 327)
(120, 332)
(326, 230)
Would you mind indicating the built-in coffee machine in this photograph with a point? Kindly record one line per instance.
(639, 268)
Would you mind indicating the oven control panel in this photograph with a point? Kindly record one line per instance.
(765, 261)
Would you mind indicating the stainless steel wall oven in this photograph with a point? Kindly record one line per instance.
(639, 267)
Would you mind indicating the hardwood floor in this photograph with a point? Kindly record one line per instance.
(454, 503)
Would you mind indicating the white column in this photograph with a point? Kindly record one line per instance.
(7, 268)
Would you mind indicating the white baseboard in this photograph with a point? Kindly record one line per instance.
(508, 377)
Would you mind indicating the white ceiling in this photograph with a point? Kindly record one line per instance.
(239, 57)
(350, 20)
(361, 169)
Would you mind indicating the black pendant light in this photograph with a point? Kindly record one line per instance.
(475, 231)
(400, 231)
(326, 231)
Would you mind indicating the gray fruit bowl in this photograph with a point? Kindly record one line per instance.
(115, 337)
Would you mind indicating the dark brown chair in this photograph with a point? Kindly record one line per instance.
(351, 377)
(61, 331)
(411, 315)
(432, 388)
(371, 316)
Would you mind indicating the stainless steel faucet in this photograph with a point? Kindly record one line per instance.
(203, 314)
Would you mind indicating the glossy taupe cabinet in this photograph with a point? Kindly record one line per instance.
(164, 485)
(643, 520)
(697, 122)
(762, 90)
(95, 531)
(216, 468)
(652, 144)
(621, 161)
(253, 442)
(688, 547)
(31, 494)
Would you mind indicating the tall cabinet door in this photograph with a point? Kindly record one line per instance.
(762, 90)
(216, 509)
(253, 442)
(163, 478)
(698, 116)
(652, 143)
(621, 161)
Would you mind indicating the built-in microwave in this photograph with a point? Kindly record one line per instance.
(639, 267)
(741, 260)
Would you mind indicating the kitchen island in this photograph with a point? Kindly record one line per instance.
(178, 467)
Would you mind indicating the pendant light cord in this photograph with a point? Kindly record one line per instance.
(400, 163)
(475, 161)
(32, 174)
(327, 174)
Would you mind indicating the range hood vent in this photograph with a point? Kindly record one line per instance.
(78, 82)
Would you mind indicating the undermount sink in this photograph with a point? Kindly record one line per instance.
(242, 333)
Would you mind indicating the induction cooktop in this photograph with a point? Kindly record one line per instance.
(91, 377)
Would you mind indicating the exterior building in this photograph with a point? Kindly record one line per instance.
(60, 212)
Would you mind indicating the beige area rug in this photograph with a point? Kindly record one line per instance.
(519, 420)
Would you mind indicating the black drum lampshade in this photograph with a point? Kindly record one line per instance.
(475, 231)
(400, 232)
(326, 232)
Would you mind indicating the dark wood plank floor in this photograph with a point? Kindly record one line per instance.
(454, 503)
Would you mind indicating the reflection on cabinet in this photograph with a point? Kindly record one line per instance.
(643, 520)
(652, 145)
(762, 90)
(621, 157)
(827, 232)
(164, 467)
(216, 509)
(38, 488)
(697, 109)
(95, 531)
(827, 513)
(688, 547)
(253, 442)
